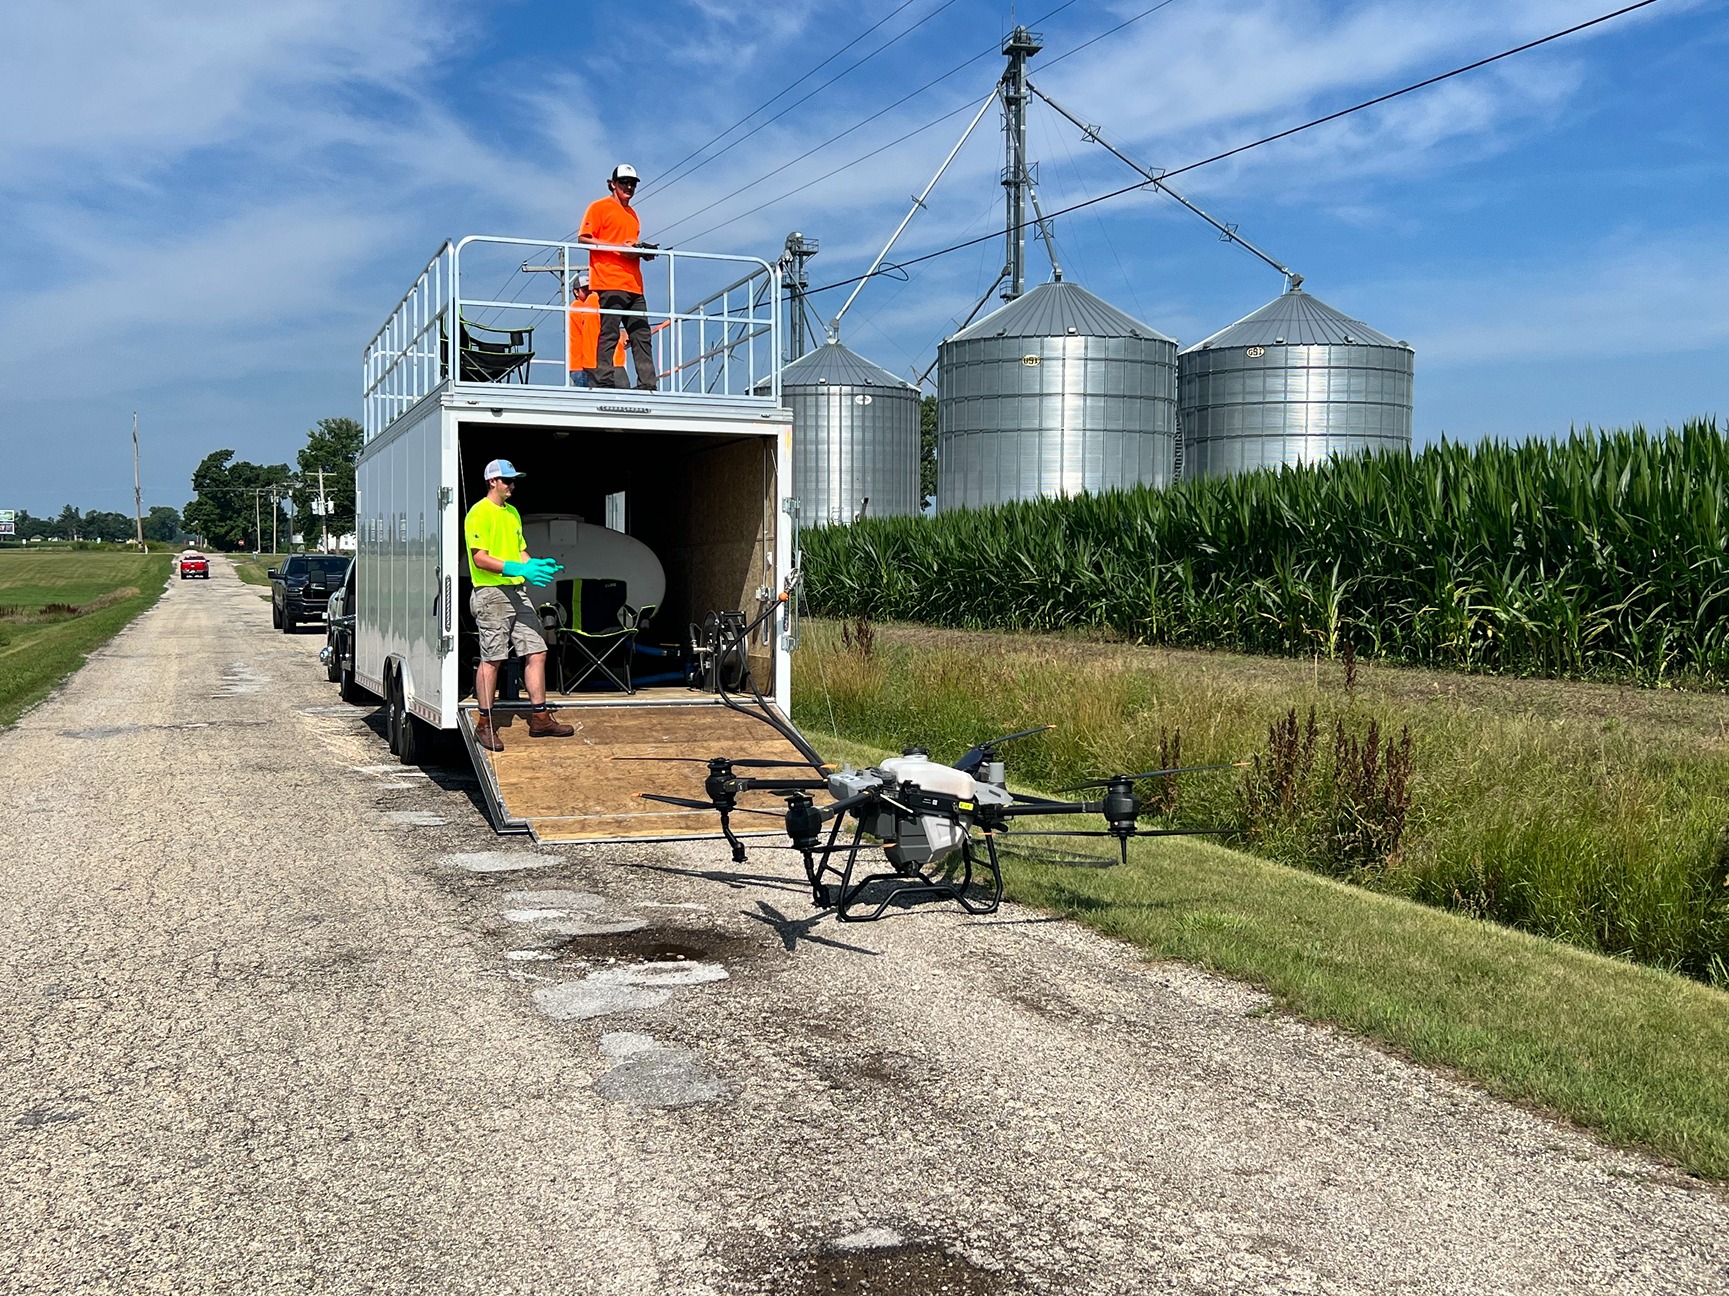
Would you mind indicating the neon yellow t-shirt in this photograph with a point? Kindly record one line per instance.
(496, 528)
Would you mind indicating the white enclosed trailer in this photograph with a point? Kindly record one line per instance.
(472, 366)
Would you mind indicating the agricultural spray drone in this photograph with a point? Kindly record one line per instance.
(928, 820)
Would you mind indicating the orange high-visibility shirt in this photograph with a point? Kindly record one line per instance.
(584, 332)
(585, 336)
(607, 220)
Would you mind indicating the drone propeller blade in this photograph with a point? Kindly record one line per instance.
(1158, 773)
(686, 802)
(975, 755)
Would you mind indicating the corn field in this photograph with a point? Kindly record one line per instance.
(1600, 556)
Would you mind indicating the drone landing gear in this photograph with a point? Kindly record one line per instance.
(971, 880)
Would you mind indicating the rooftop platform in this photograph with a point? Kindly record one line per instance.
(487, 325)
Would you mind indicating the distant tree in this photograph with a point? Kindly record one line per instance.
(332, 444)
(67, 524)
(162, 524)
(111, 528)
(928, 450)
(228, 509)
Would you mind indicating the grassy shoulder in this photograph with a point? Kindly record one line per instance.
(256, 570)
(56, 608)
(1632, 1053)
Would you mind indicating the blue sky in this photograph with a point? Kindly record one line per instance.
(208, 207)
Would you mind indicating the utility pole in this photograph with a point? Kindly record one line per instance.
(275, 517)
(257, 521)
(323, 514)
(137, 489)
(1018, 46)
(799, 250)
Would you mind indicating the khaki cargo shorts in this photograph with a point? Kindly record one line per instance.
(506, 620)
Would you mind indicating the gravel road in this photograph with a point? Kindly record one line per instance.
(280, 1016)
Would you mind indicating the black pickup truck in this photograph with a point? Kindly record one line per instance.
(300, 588)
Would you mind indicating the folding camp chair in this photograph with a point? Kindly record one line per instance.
(488, 354)
(601, 634)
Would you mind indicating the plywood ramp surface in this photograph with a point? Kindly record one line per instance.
(577, 788)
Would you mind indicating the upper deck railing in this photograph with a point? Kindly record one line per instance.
(724, 346)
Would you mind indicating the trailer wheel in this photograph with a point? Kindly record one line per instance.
(275, 616)
(392, 712)
(350, 690)
(332, 671)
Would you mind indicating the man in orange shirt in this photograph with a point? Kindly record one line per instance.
(616, 277)
(584, 334)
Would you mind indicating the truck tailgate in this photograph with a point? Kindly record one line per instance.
(578, 790)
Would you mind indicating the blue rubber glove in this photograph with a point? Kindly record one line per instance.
(538, 571)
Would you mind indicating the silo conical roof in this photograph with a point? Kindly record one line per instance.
(1056, 310)
(1296, 319)
(834, 365)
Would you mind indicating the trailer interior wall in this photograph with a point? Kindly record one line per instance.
(704, 503)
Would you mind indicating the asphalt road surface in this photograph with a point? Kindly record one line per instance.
(279, 1016)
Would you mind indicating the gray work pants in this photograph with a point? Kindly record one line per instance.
(634, 320)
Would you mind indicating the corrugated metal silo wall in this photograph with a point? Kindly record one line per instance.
(850, 444)
(1093, 414)
(1291, 405)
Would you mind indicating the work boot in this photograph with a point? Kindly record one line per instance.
(541, 724)
(485, 735)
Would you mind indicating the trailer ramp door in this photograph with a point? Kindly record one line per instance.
(576, 790)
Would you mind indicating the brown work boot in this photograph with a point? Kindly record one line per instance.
(542, 725)
(485, 735)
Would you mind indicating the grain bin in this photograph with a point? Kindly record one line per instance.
(1295, 382)
(855, 437)
(1056, 393)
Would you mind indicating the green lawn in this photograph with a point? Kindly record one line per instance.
(1633, 1053)
(39, 649)
(255, 571)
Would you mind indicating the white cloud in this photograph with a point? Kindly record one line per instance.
(1635, 293)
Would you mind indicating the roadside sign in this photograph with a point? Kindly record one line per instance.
(8, 528)
(8, 515)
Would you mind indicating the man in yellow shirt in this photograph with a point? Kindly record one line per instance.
(499, 566)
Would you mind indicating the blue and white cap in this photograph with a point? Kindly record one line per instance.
(501, 468)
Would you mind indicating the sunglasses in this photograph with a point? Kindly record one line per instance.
(625, 184)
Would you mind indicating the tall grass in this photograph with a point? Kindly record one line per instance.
(1589, 814)
(1602, 556)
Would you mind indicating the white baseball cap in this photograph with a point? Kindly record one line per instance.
(501, 468)
(625, 171)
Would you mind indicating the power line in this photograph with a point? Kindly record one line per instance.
(842, 135)
(797, 102)
(953, 112)
(1048, 63)
(788, 88)
(867, 156)
(1266, 139)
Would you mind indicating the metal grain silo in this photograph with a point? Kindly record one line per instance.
(855, 437)
(1295, 382)
(1055, 393)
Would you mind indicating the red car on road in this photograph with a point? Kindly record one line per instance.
(194, 564)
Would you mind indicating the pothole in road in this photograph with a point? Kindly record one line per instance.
(879, 1263)
(661, 945)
